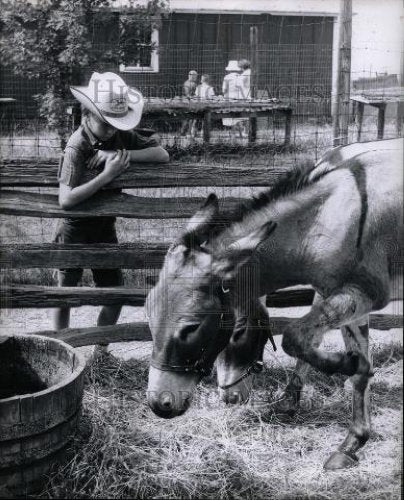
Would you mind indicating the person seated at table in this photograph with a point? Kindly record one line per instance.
(203, 91)
(188, 90)
(244, 80)
(190, 85)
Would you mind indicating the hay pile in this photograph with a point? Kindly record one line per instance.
(213, 451)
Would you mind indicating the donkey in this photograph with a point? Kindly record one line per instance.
(335, 226)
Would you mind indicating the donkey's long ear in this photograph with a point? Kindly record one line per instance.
(227, 264)
(198, 227)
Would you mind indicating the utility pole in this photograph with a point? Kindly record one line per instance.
(343, 88)
(252, 132)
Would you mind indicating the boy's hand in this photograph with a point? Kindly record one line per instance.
(99, 158)
(116, 164)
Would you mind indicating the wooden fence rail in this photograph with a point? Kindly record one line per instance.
(15, 202)
(17, 296)
(129, 332)
(101, 256)
(30, 173)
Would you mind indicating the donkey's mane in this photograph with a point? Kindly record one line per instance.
(292, 181)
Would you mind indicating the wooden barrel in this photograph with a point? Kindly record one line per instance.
(41, 390)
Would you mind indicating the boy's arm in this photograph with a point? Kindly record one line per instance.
(70, 196)
(156, 154)
(144, 149)
(140, 150)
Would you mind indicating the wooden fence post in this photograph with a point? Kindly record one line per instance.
(341, 109)
(252, 132)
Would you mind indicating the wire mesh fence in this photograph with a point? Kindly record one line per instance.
(294, 65)
(293, 56)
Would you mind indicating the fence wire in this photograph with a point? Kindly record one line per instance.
(294, 57)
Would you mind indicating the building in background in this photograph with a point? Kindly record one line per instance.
(296, 50)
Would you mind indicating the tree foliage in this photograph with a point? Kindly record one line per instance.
(53, 40)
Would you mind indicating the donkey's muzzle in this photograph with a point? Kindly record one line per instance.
(167, 404)
(169, 393)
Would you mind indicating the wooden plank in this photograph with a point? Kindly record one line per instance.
(399, 118)
(105, 204)
(207, 125)
(129, 332)
(250, 114)
(379, 95)
(288, 127)
(78, 337)
(43, 297)
(380, 120)
(361, 108)
(181, 106)
(252, 130)
(37, 172)
(100, 256)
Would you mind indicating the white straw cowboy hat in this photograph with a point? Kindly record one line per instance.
(233, 66)
(109, 98)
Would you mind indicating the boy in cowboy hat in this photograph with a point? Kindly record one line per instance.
(97, 152)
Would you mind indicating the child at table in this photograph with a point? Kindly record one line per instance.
(205, 90)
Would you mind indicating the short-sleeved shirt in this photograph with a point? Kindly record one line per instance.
(81, 147)
(204, 91)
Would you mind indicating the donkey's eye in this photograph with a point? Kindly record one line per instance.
(187, 330)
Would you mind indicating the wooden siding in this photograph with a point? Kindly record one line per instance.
(294, 57)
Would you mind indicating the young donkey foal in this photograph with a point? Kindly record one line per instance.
(334, 226)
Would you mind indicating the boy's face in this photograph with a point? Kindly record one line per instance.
(193, 76)
(102, 130)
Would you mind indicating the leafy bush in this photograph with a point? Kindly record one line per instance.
(53, 40)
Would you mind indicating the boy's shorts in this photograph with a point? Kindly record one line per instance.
(96, 230)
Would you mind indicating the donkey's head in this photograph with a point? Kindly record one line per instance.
(191, 310)
(243, 355)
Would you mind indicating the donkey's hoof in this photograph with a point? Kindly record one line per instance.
(340, 460)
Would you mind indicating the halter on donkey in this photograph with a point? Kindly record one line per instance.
(336, 227)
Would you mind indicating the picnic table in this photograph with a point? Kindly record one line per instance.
(219, 107)
(379, 98)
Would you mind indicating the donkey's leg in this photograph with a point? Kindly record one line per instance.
(349, 304)
(290, 401)
(356, 338)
